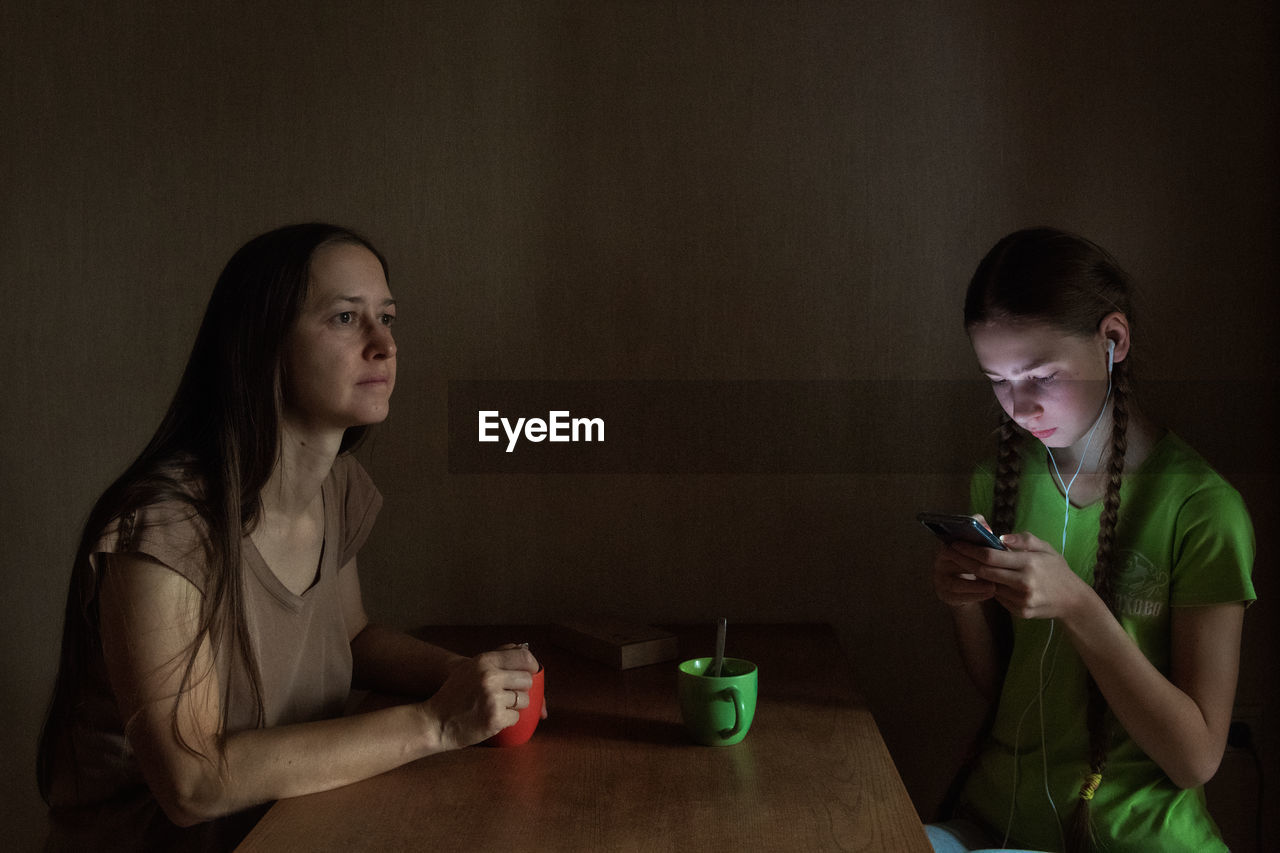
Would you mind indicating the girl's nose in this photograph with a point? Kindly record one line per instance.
(1023, 403)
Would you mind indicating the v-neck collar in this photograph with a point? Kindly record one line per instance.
(269, 580)
(1047, 470)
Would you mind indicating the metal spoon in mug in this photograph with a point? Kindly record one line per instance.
(717, 663)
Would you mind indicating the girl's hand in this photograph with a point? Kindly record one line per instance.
(1033, 581)
(955, 578)
(956, 581)
(482, 696)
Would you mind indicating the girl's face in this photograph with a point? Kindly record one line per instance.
(340, 356)
(1051, 383)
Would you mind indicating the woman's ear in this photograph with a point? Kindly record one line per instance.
(1115, 328)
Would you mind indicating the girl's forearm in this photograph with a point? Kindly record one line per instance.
(1185, 737)
(976, 639)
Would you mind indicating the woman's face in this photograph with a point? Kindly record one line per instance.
(340, 356)
(1051, 383)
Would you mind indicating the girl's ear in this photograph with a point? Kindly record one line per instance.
(1114, 327)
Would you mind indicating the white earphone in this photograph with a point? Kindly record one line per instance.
(1039, 697)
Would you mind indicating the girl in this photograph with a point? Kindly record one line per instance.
(1107, 635)
(214, 624)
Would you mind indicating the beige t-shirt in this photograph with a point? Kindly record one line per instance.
(100, 800)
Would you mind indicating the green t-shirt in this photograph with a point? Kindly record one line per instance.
(1185, 538)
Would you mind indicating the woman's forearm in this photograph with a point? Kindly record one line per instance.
(479, 698)
(260, 765)
(391, 661)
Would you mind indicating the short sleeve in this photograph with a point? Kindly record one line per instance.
(1214, 549)
(360, 501)
(170, 532)
(982, 491)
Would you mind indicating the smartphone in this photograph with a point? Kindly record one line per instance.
(951, 527)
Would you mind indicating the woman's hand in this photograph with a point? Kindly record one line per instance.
(1032, 580)
(482, 696)
(543, 713)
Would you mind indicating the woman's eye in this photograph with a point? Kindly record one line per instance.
(388, 319)
(1044, 380)
(343, 318)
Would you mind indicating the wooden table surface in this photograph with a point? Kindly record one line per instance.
(613, 769)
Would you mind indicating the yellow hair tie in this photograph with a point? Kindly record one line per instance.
(1091, 783)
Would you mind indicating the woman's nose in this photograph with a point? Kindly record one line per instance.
(382, 344)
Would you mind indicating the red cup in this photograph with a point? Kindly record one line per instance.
(522, 729)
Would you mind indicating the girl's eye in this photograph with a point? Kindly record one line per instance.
(996, 383)
(1044, 380)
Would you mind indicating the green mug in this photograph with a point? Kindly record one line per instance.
(717, 711)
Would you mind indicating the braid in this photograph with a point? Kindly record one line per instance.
(1080, 831)
(1104, 569)
(1008, 470)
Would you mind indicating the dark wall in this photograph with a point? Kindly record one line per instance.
(638, 192)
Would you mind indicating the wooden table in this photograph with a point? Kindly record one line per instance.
(613, 769)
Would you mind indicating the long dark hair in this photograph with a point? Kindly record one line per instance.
(1067, 282)
(213, 451)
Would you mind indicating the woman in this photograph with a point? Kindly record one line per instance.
(1107, 635)
(214, 625)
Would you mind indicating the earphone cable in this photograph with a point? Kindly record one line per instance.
(1042, 683)
(1017, 733)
